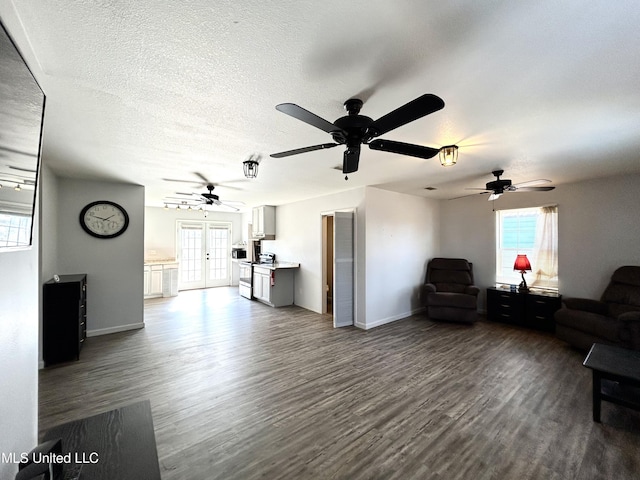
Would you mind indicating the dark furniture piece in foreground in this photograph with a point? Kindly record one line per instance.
(616, 376)
(531, 309)
(64, 318)
(449, 290)
(119, 444)
(614, 320)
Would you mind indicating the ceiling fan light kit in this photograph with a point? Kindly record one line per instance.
(355, 130)
(448, 155)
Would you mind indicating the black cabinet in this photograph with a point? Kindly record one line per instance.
(532, 309)
(64, 318)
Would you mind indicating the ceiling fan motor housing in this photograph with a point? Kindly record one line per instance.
(498, 185)
(356, 126)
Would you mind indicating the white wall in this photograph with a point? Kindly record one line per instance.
(299, 239)
(598, 231)
(18, 352)
(402, 234)
(160, 231)
(395, 236)
(114, 267)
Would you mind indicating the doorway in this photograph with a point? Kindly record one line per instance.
(327, 247)
(338, 261)
(204, 254)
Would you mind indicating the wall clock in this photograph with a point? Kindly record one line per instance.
(104, 219)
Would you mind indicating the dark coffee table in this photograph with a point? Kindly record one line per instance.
(616, 376)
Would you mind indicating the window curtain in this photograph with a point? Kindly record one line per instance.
(545, 253)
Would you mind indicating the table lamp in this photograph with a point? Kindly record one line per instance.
(522, 264)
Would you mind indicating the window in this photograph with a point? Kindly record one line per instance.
(534, 233)
(15, 229)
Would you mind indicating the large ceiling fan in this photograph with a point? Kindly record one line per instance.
(354, 130)
(499, 186)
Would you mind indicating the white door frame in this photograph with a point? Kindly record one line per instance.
(323, 259)
(205, 226)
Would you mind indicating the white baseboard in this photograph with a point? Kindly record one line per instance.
(120, 328)
(393, 318)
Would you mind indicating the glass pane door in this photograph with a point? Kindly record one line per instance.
(191, 255)
(204, 254)
(218, 255)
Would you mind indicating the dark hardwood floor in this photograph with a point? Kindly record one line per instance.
(240, 390)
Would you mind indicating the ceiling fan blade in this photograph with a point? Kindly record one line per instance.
(532, 189)
(478, 188)
(194, 182)
(202, 177)
(303, 150)
(470, 195)
(307, 117)
(351, 159)
(415, 109)
(222, 204)
(531, 183)
(403, 148)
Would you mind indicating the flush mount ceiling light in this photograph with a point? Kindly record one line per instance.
(448, 155)
(250, 166)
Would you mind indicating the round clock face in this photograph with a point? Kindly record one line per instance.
(104, 219)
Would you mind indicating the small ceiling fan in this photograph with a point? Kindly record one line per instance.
(499, 186)
(354, 130)
(201, 199)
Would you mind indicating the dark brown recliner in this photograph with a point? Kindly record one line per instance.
(449, 291)
(614, 320)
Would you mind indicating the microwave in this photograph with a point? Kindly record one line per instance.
(238, 253)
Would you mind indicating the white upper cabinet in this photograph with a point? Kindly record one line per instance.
(264, 222)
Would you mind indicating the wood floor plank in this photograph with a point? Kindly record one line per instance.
(240, 390)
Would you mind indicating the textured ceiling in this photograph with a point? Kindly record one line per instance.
(140, 90)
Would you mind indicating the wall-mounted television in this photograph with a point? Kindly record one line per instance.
(21, 118)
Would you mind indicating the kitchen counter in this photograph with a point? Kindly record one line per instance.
(277, 265)
(161, 262)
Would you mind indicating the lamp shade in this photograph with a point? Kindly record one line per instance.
(448, 155)
(522, 263)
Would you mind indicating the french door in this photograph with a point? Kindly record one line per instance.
(204, 254)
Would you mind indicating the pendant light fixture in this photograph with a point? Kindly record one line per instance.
(448, 155)
(250, 166)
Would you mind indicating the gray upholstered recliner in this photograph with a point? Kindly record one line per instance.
(614, 320)
(449, 290)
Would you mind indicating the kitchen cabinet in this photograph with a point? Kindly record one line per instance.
(263, 224)
(262, 284)
(64, 318)
(160, 279)
(274, 285)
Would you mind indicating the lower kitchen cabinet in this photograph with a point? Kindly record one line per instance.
(273, 286)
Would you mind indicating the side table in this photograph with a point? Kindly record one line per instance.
(616, 376)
